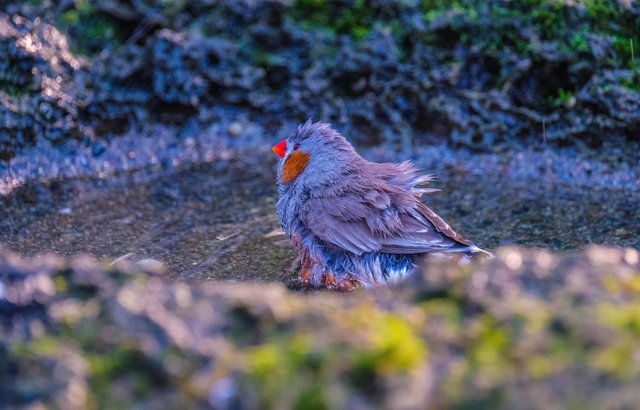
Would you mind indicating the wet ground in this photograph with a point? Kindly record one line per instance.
(213, 221)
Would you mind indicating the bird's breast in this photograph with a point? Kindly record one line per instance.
(288, 208)
(293, 166)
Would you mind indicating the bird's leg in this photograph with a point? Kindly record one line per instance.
(305, 275)
(312, 265)
(348, 283)
(343, 283)
(305, 271)
(328, 280)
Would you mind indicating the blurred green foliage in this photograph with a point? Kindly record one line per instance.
(560, 332)
(353, 19)
(91, 30)
(294, 368)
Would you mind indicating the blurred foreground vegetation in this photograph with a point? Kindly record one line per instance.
(529, 329)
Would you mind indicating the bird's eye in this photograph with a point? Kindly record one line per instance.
(296, 147)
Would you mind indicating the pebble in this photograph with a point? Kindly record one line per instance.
(152, 266)
(235, 129)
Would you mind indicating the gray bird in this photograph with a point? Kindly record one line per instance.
(355, 222)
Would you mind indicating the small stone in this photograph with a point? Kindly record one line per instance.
(152, 266)
(570, 102)
(621, 233)
(97, 149)
(235, 129)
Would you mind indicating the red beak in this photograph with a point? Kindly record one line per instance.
(280, 148)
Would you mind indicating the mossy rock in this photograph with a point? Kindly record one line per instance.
(552, 329)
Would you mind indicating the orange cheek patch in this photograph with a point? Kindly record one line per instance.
(294, 165)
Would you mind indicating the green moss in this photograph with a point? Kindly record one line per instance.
(143, 375)
(356, 19)
(90, 31)
(579, 42)
(12, 90)
(633, 83)
(626, 318)
(611, 18)
(394, 347)
(563, 98)
(489, 345)
(47, 346)
(312, 398)
(490, 400)
(61, 283)
(281, 366)
(264, 361)
(264, 58)
(498, 25)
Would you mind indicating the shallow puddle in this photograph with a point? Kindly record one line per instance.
(211, 222)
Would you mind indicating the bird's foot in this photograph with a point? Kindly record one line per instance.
(305, 275)
(346, 283)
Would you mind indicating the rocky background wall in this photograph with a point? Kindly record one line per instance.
(396, 73)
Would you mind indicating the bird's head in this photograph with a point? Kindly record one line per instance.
(314, 154)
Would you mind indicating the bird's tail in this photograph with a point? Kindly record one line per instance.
(474, 250)
(463, 254)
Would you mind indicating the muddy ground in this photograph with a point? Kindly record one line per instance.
(212, 221)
